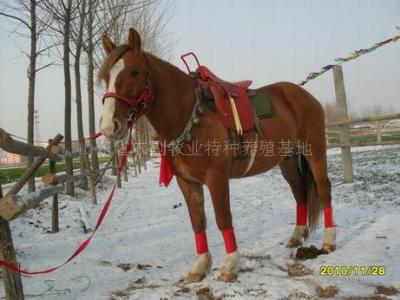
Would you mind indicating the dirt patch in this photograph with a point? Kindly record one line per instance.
(311, 252)
(125, 266)
(138, 284)
(258, 292)
(296, 295)
(298, 270)
(246, 270)
(205, 293)
(202, 293)
(105, 263)
(374, 297)
(143, 266)
(183, 290)
(386, 290)
(327, 292)
(140, 281)
(256, 257)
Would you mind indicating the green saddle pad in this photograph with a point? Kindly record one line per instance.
(263, 105)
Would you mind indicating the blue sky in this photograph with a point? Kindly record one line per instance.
(266, 41)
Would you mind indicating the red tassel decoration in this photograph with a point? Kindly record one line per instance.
(166, 174)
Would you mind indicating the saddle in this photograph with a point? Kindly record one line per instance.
(232, 100)
(239, 108)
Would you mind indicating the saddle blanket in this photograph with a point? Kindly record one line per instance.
(261, 104)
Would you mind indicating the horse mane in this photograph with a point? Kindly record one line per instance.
(119, 51)
(165, 63)
(110, 61)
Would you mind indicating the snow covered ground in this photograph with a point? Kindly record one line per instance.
(145, 246)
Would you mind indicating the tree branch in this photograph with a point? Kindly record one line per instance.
(43, 67)
(16, 18)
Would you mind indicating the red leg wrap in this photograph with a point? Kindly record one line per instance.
(301, 214)
(230, 240)
(328, 217)
(201, 242)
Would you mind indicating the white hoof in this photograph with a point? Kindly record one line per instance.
(200, 268)
(230, 268)
(300, 232)
(329, 237)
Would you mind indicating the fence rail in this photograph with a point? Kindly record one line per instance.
(374, 126)
(365, 119)
(13, 204)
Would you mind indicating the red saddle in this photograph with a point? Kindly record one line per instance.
(206, 74)
(223, 91)
(231, 98)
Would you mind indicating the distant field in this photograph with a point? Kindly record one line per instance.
(368, 138)
(12, 174)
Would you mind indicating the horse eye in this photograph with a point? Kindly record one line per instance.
(135, 73)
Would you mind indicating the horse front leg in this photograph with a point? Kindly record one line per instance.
(219, 191)
(194, 197)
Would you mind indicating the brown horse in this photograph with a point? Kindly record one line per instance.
(140, 83)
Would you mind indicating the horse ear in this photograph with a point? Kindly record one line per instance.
(134, 39)
(108, 45)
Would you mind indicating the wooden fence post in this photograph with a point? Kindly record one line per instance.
(378, 132)
(326, 133)
(126, 171)
(114, 162)
(118, 171)
(54, 215)
(82, 164)
(30, 171)
(12, 281)
(134, 163)
(344, 128)
(91, 177)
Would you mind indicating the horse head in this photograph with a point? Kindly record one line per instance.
(126, 75)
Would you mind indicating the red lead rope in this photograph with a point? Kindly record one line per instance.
(85, 243)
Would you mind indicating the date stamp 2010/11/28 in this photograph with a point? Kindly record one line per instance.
(333, 270)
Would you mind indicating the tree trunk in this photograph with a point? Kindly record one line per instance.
(67, 86)
(78, 91)
(31, 88)
(92, 116)
(113, 154)
(12, 281)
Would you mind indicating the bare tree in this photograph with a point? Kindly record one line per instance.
(150, 18)
(63, 12)
(90, 83)
(25, 14)
(67, 89)
(114, 18)
(331, 112)
(78, 91)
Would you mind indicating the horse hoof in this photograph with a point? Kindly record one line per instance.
(328, 248)
(300, 232)
(227, 277)
(194, 277)
(294, 243)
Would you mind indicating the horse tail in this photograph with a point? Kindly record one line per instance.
(314, 203)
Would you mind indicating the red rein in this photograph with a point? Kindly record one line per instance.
(138, 105)
(86, 242)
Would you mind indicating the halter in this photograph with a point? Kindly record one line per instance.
(138, 105)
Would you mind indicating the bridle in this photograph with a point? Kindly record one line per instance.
(138, 105)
